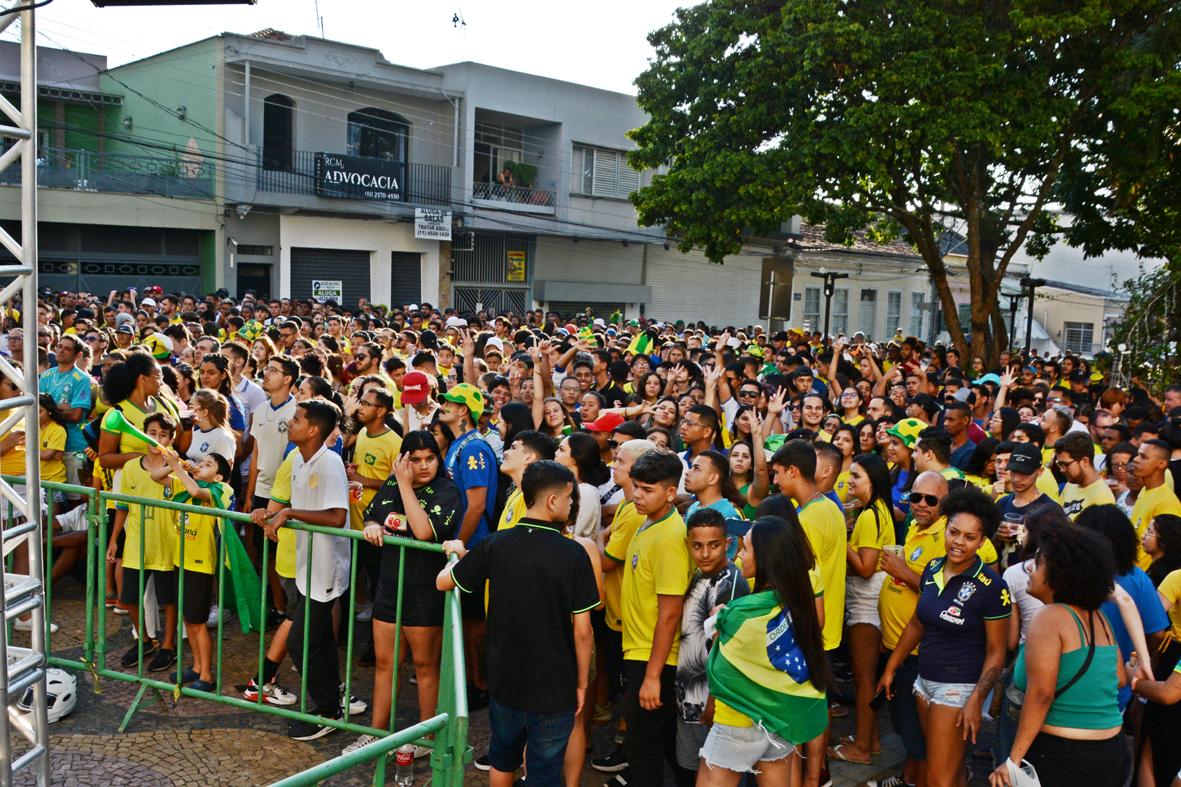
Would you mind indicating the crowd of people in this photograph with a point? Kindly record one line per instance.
(698, 534)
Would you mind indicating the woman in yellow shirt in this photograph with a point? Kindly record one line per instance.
(845, 438)
(134, 388)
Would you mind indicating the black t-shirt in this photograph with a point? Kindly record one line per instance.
(615, 396)
(441, 501)
(537, 578)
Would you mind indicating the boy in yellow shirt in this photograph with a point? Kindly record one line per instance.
(149, 540)
(206, 486)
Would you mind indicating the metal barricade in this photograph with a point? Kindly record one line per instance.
(449, 725)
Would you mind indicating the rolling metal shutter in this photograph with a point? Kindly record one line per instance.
(347, 266)
(405, 278)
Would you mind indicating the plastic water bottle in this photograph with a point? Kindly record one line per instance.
(404, 766)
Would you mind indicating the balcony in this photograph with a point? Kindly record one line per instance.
(78, 169)
(515, 198)
(419, 184)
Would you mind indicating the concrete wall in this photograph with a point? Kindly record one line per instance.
(380, 238)
(689, 287)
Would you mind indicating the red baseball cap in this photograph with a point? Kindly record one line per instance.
(415, 388)
(607, 422)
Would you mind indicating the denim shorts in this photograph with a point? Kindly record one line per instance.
(545, 733)
(951, 695)
(740, 749)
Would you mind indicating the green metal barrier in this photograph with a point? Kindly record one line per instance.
(449, 747)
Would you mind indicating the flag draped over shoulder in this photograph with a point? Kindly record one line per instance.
(243, 593)
(757, 668)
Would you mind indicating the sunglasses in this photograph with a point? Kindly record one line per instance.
(613, 443)
(919, 497)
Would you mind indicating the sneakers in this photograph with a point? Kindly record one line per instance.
(360, 742)
(218, 614)
(272, 694)
(203, 685)
(602, 714)
(356, 706)
(309, 731)
(365, 612)
(618, 780)
(614, 762)
(890, 781)
(27, 625)
(482, 763)
(131, 657)
(121, 608)
(187, 675)
(162, 660)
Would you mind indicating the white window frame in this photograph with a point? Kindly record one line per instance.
(1074, 334)
(839, 322)
(918, 313)
(602, 172)
(893, 312)
(867, 311)
(812, 317)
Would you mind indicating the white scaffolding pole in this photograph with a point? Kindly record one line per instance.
(23, 667)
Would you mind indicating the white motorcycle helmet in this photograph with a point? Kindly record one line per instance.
(61, 694)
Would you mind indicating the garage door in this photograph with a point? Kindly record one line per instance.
(405, 279)
(347, 266)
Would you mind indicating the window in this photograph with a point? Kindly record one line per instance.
(918, 308)
(495, 147)
(775, 292)
(603, 173)
(1078, 337)
(278, 132)
(893, 312)
(376, 133)
(868, 318)
(812, 308)
(840, 312)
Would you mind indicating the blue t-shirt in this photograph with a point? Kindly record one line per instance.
(1152, 615)
(69, 389)
(953, 615)
(724, 506)
(472, 464)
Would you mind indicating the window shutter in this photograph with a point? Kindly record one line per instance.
(629, 179)
(606, 174)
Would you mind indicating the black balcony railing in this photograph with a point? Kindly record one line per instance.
(77, 169)
(516, 195)
(425, 184)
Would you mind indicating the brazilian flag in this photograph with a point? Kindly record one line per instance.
(587, 334)
(642, 344)
(758, 669)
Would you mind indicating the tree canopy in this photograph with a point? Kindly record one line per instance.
(900, 116)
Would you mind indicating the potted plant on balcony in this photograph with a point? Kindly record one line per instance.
(524, 174)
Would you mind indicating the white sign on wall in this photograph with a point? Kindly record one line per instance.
(432, 224)
(325, 290)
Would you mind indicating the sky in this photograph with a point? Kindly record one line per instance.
(602, 44)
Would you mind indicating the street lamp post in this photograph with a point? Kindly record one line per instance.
(1014, 300)
(830, 279)
(1029, 285)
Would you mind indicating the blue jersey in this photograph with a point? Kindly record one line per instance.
(472, 464)
(69, 389)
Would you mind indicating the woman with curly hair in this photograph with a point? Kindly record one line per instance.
(1162, 543)
(1070, 728)
(960, 626)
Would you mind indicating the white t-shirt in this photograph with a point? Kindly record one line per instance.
(270, 434)
(251, 395)
(320, 484)
(590, 514)
(215, 441)
(1017, 578)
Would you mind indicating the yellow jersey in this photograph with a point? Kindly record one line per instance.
(1075, 498)
(135, 416)
(12, 462)
(200, 539)
(53, 438)
(514, 509)
(624, 524)
(157, 526)
(657, 564)
(824, 524)
(281, 493)
(1170, 588)
(374, 457)
(1149, 505)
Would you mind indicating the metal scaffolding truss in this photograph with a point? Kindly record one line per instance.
(23, 667)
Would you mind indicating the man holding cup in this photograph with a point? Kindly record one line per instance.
(1026, 500)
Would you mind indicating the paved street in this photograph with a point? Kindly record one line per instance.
(192, 742)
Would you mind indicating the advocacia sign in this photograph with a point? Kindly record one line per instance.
(356, 177)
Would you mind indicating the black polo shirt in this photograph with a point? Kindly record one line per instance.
(953, 613)
(537, 578)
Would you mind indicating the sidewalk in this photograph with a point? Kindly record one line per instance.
(192, 742)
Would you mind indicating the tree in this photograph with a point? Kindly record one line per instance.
(898, 116)
(1148, 329)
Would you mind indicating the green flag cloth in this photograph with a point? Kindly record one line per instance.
(641, 345)
(758, 669)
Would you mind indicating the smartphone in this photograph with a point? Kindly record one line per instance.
(878, 700)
